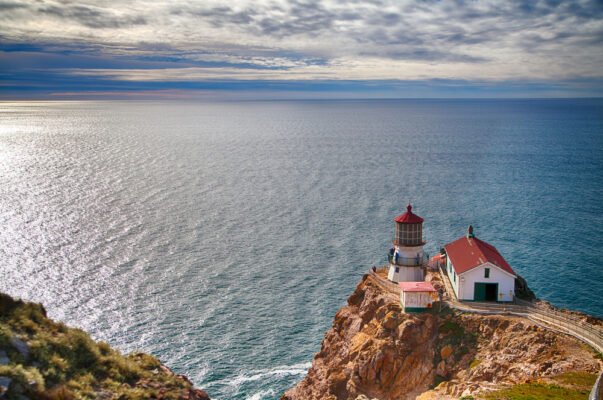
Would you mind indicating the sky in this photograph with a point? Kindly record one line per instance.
(281, 49)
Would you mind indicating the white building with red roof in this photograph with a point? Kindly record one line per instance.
(477, 271)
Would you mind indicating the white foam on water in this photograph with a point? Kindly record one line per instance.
(296, 369)
(283, 370)
(262, 394)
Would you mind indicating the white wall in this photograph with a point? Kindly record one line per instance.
(506, 282)
(451, 273)
(405, 274)
(416, 299)
(410, 252)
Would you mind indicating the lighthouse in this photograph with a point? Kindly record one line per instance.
(406, 259)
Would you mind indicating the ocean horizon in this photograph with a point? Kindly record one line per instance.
(222, 237)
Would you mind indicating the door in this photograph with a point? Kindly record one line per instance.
(491, 291)
(485, 291)
(479, 292)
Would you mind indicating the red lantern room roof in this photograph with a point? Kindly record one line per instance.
(408, 217)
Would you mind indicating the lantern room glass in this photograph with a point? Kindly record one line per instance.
(409, 234)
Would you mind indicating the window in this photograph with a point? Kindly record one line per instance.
(397, 269)
(454, 275)
(487, 273)
(409, 234)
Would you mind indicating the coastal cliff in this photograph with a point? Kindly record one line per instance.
(374, 350)
(43, 359)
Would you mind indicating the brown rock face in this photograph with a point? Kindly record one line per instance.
(376, 350)
(373, 349)
(445, 352)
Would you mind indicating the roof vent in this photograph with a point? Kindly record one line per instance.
(470, 234)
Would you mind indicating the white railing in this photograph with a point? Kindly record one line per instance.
(385, 284)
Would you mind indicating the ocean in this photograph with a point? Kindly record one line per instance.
(223, 237)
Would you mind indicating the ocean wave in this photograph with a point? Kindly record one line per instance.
(296, 369)
(258, 375)
(262, 394)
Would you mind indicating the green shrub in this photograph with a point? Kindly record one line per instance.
(121, 368)
(451, 326)
(437, 380)
(84, 351)
(104, 348)
(5, 336)
(28, 317)
(82, 385)
(26, 376)
(8, 304)
(71, 364)
(56, 393)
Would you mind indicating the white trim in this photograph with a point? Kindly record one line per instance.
(488, 263)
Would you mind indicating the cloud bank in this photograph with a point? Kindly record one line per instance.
(103, 42)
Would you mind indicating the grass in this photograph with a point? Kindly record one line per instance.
(462, 342)
(537, 391)
(455, 334)
(65, 363)
(580, 379)
(568, 386)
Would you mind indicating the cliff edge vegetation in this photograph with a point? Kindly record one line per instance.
(43, 359)
(376, 351)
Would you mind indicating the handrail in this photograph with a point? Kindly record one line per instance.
(594, 393)
(409, 261)
(385, 284)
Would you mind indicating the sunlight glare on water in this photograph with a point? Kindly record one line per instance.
(223, 237)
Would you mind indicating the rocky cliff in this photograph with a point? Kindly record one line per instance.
(375, 350)
(43, 359)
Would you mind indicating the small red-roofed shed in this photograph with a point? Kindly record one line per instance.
(417, 296)
(477, 271)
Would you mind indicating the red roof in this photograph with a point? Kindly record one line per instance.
(416, 286)
(467, 253)
(408, 217)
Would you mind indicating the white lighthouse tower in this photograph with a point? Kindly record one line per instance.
(406, 259)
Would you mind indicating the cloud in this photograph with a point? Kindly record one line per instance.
(87, 15)
(10, 5)
(91, 17)
(188, 40)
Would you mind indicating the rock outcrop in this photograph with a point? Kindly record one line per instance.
(376, 351)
